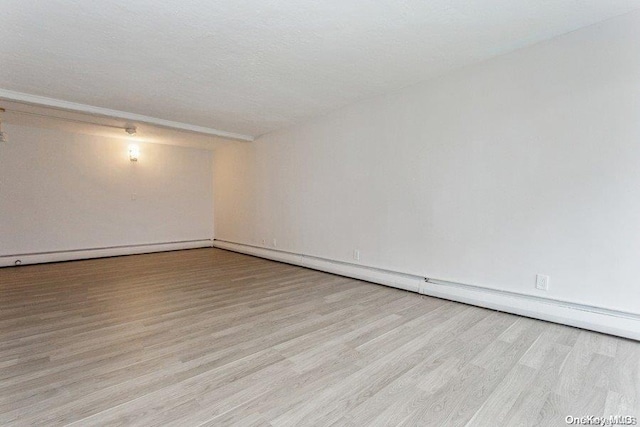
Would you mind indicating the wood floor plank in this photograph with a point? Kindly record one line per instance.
(208, 337)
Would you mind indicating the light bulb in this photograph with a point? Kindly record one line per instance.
(134, 153)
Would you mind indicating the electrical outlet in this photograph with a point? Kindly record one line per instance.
(264, 242)
(542, 282)
(275, 243)
(134, 196)
(356, 254)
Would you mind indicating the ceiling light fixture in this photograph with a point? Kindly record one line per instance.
(134, 151)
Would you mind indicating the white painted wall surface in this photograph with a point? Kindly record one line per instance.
(63, 191)
(527, 163)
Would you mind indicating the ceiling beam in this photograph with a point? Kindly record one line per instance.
(59, 104)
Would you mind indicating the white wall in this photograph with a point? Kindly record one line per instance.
(62, 191)
(528, 163)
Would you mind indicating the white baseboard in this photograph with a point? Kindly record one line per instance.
(76, 254)
(384, 277)
(567, 313)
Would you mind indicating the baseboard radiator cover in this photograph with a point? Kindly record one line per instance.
(599, 319)
(103, 252)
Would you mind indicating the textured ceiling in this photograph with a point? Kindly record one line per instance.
(252, 66)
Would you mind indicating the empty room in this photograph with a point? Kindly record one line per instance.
(319, 213)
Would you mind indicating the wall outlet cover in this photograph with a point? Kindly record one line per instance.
(542, 282)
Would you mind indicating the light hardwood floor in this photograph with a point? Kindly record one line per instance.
(209, 337)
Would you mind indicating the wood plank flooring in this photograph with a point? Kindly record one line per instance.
(207, 337)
